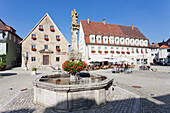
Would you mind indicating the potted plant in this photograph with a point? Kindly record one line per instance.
(99, 51)
(34, 71)
(46, 39)
(58, 39)
(118, 52)
(93, 51)
(146, 52)
(112, 52)
(41, 29)
(105, 51)
(73, 68)
(128, 52)
(52, 29)
(2, 65)
(33, 49)
(58, 49)
(123, 52)
(34, 38)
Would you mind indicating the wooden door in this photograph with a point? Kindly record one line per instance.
(45, 59)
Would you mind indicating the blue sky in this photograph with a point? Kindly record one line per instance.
(152, 17)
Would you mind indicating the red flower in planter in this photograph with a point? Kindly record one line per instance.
(137, 52)
(141, 51)
(58, 49)
(133, 52)
(118, 52)
(99, 51)
(93, 51)
(146, 52)
(52, 29)
(58, 39)
(47, 39)
(33, 49)
(105, 51)
(112, 52)
(123, 52)
(41, 29)
(34, 38)
(128, 52)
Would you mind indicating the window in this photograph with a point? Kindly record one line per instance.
(137, 43)
(57, 47)
(122, 48)
(33, 35)
(27, 56)
(168, 50)
(99, 48)
(105, 48)
(152, 54)
(51, 27)
(45, 36)
(92, 39)
(58, 36)
(132, 42)
(45, 46)
(117, 41)
(99, 40)
(33, 59)
(58, 59)
(169, 43)
(137, 50)
(92, 48)
(111, 48)
(33, 46)
(117, 49)
(127, 49)
(127, 42)
(40, 26)
(112, 41)
(105, 40)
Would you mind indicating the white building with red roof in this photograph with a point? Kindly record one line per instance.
(164, 52)
(100, 40)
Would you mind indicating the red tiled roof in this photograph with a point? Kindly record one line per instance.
(165, 45)
(154, 45)
(2, 25)
(98, 28)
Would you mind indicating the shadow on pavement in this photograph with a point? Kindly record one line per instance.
(7, 74)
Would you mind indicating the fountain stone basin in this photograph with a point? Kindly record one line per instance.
(91, 91)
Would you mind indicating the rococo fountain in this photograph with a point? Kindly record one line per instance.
(74, 89)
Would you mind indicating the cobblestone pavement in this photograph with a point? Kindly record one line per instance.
(152, 97)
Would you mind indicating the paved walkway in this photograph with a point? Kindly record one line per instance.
(152, 97)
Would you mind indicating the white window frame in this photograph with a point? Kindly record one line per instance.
(99, 37)
(122, 41)
(111, 40)
(92, 37)
(105, 39)
(117, 42)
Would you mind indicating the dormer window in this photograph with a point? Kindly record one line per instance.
(169, 43)
(92, 38)
(41, 27)
(127, 42)
(105, 40)
(99, 39)
(52, 28)
(122, 41)
(132, 42)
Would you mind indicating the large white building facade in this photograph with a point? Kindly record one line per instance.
(99, 40)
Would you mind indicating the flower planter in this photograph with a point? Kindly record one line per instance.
(133, 52)
(112, 52)
(34, 38)
(146, 52)
(58, 39)
(137, 52)
(105, 51)
(123, 52)
(58, 49)
(99, 51)
(128, 52)
(41, 29)
(141, 51)
(52, 30)
(47, 39)
(118, 52)
(93, 51)
(33, 49)
(33, 72)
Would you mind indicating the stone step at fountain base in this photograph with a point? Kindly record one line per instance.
(49, 68)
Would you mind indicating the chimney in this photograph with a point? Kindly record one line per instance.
(88, 20)
(104, 21)
(132, 27)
